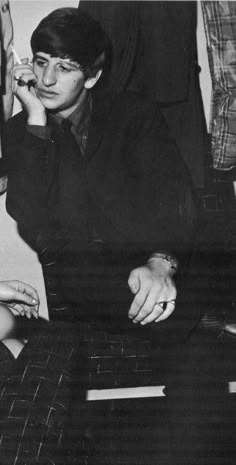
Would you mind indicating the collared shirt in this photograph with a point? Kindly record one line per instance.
(80, 119)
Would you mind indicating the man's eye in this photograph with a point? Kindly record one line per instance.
(64, 69)
(40, 63)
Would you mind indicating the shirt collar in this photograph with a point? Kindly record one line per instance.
(80, 115)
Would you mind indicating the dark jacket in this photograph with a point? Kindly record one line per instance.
(93, 219)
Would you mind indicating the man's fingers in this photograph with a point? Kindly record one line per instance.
(138, 303)
(170, 307)
(147, 306)
(156, 312)
(133, 283)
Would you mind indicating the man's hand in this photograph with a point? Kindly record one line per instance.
(20, 297)
(24, 82)
(155, 292)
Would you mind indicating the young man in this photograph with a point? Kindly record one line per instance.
(105, 202)
(98, 190)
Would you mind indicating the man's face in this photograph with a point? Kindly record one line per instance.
(60, 83)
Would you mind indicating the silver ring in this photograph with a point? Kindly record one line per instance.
(173, 302)
(161, 304)
(20, 81)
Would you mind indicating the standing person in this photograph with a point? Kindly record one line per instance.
(97, 187)
(158, 39)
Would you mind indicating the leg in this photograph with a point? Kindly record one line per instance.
(196, 399)
(36, 396)
(8, 329)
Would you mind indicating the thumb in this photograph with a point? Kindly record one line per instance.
(133, 282)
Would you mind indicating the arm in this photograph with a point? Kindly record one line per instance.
(30, 159)
(171, 219)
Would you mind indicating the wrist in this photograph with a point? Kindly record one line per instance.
(167, 259)
(38, 119)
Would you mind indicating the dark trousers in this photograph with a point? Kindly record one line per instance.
(42, 393)
(37, 396)
(197, 400)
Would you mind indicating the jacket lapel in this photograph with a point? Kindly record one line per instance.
(102, 105)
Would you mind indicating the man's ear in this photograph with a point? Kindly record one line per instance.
(90, 82)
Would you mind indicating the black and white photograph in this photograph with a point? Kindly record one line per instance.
(117, 232)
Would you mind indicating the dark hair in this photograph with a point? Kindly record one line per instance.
(69, 33)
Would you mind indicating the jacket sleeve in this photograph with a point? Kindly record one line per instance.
(156, 200)
(31, 166)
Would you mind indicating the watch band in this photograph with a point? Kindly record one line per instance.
(173, 262)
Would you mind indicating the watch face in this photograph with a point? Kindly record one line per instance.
(168, 258)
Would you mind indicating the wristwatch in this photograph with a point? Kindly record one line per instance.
(173, 262)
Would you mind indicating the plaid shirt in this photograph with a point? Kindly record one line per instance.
(220, 27)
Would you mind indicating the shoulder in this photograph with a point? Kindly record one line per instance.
(14, 127)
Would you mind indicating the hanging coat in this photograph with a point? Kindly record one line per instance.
(155, 54)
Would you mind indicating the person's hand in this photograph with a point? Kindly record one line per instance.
(154, 290)
(24, 82)
(20, 297)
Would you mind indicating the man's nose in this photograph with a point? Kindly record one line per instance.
(49, 76)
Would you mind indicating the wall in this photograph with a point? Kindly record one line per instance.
(16, 258)
(205, 79)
